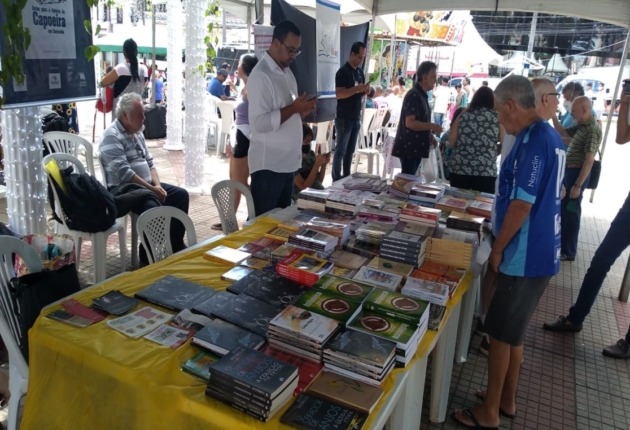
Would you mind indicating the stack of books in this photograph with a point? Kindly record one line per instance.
(359, 355)
(364, 249)
(312, 199)
(402, 184)
(391, 266)
(252, 382)
(309, 239)
(373, 232)
(280, 234)
(308, 370)
(465, 221)
(481, 206)
(395, 317)
(450, 203)
(374, 214)
(346, 202)
(404, 247)
(441, 274)
(460, 192)
(337, 307)
(225, 254)
(378, 278)
(425, 194)
(303, 268)
(340, 230)
(412, 213)
(453, 247)
(430, 291)
(262, 247)
(371, 183)
(301, 332)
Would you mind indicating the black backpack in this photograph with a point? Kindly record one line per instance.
(53, 122)
(87, 205)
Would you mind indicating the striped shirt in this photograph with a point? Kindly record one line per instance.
(585, 138)
(123, 154)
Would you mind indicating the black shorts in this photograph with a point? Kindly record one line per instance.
(242, 145)
(512, 306)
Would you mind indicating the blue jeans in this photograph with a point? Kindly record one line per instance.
(439, 117)
(570, 214)
(347, 131)
(271, 190)
(615, 242)
(409, 165)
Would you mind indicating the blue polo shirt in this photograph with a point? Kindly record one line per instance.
(533, 172)
(215, 87)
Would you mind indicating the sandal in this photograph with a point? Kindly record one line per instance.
(476, 425)
(482, 395)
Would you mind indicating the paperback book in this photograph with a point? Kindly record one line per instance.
(378, 278)
(114, 302)
(395, 267)
(356, 346)
(347, 260)
(199, 365)
(268, 287)
(247, 312)
(175, 293)
(308, 370)
(324, 303)
(350, 289)
(386, 327)
(226, 255)
(304, 268)
(304, 324)
(347, 392)
(140, 322)
(314, 413)
(221, 337)
(396, 305)
(178, 330)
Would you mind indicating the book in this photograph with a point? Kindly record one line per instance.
(221, 337)
(304, 324)
(304, 268)
(199, 365)
(114, 302)
(450, 203)
(255, 263)
(74, 307)
(414, 228)
(70, 318)
(247, 312)
(347, 260)
(268, 287)
(480, 207)
(175, 293)
(313, 239)
(279, 233)
(226, 255)
(411, 242)
(238, 272)
(378, 278)
(403, 183)
(465, 221)
(364, 249)
(265, 247)
(255, 371)
(308, 370)
(432, 292)
(178, 329)
(436, 314)
(396, 305)
(361, 347)
(314, 413)
(391, 266)
(140, 322)
(347, 392)
(342, 272)
(331, 305)
(386, 327)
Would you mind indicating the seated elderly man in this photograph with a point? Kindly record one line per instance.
(126, 160)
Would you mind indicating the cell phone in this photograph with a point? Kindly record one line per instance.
(626, 86)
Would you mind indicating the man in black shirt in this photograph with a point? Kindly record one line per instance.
(413, 137)
(349, 90)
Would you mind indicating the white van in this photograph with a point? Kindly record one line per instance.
(603, 79)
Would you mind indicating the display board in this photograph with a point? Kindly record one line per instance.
(55, 67)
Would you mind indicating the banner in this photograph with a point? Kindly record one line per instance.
(327, 37)
(55, 67)
(263, 34)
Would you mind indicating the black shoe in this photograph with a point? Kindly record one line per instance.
(564, 257)
(619, 350)
(562, 324)
(217, 226)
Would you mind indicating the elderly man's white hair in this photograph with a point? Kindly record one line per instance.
(126, 104)
(517, 88)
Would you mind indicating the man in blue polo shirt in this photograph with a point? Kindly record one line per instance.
(526, 251)
(215, 86)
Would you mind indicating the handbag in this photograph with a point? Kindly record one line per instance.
(596, 171)
(29, 294)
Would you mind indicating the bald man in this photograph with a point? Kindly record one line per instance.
(585, 138)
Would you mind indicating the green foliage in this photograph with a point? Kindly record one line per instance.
(16, 40)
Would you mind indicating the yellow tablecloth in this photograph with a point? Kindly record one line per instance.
(97, 378)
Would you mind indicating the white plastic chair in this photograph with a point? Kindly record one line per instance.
(223, 197)
(154, 227)
(371, 133)
(366, 123)
(212, 119)
(99, 239)
(324, 137)
(9, 325)
(68, 143)
(226, 107)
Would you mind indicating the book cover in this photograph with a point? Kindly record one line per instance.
(395, 267)
(353, 290)
(69, 318)
(210, 305)
(267, 245)
(114, 302)
(76, 308)
(261, 373)
(179, 329)
(221, 337)
(175, 293)
(347, 260)
(279, 233)
(331, 305)
(307, 370)
(436, 314)
(385, 327)
(414, 228)
(396, 305)
(140, 322)
(362, 346)
(378, 278)
(199, 365)
(369, 250)
(268, 287)
(346, 392)
(408, 240)
(238, 272)
(255, 263)
(305, 323)
(342, 272)
(247, 312)
(225, 254)
(314, 413)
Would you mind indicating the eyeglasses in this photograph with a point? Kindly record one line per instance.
(553, 94)
(293, 52)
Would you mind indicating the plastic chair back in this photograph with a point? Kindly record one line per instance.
(223, 194)
(154, 229)
(68, 143)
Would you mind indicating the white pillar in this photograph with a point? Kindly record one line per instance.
(24, 175)
(194, 95)
(175, 81)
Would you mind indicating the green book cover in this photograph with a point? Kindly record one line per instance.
(199, 365)
(331, 305)
(353, 290)
(384, 327)
(390, 303)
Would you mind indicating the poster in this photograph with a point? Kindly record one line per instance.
(327, 36)
(51, 24)
(263, 35)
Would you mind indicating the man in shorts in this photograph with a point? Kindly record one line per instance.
(526, 252)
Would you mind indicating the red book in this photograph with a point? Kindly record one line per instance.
(307, 370)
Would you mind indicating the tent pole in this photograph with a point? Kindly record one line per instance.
(152, 77)
(368, 53)
(392, 56)
(622, 65)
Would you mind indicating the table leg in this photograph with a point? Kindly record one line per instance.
(408, 409)
(466, 320)
(442, 367)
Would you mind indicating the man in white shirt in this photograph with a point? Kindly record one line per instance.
(275, 117)
(442, 95)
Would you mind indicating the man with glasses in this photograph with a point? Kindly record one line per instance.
(350, 87)
(126, 160)
(275, 117)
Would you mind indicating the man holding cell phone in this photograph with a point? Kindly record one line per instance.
(350, 87)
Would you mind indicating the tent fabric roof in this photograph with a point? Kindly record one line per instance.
(556, 65)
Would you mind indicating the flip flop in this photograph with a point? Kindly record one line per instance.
(476, 425)
(481, 394)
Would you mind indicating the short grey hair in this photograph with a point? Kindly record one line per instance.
(126, 104)
(540, 87)
(517, 88)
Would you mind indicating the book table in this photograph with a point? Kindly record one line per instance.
(95, 377)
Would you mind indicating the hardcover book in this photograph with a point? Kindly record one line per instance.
(268, 287)
(304, 323)
(378, 278)
(397, 305)
(363, 347)
(114, 302)
(346, 392)
(225, 254)
(199, 365)
(175, 293)
(328, 304)
(221, 337)
(313, 413)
